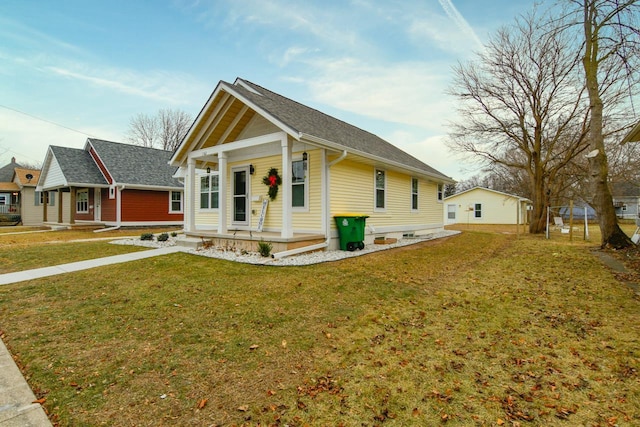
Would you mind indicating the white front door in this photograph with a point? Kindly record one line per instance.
(451, 213)
(240, 195)
(97, 203)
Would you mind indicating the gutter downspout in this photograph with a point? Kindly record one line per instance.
(324, 244)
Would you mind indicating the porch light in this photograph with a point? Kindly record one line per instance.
(252, 170)
(208, 169)
(305, 156)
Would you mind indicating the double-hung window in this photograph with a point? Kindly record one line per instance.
(440, 192)
(477, 210)
(414, 194)
(82, 201)
(209, 191)
(299, 186)
(175, 205)
(381, 185)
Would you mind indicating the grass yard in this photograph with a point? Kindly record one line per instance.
(42, 249)
(477, 329)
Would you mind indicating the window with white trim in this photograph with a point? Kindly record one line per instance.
(209, 191)
(414, 194)
(299, 187)
(381, 185)
(175, 201)
(440, 192)
(82, 201)
(477, 210)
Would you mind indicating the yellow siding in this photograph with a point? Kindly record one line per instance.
(311, 220)
(497, 208)
(204, 218)
(353, 190)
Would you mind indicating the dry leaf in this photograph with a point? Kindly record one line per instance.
(40, 401)
(202, 403)
(284, 343)
(243, 408)
(500, 422)
(254, 346)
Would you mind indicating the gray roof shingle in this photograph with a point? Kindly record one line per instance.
(315, 123)
(136, 165)
(77, 166)
(6, 172)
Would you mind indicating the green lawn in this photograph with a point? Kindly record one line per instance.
(477, 329)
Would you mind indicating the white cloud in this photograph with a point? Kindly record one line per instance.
(410, 93)
(460, 22)
(27, 138)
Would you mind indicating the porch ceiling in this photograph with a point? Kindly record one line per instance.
(228, 123)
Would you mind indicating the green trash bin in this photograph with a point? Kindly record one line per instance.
(351, 230)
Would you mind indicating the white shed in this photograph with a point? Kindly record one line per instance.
(480, 205)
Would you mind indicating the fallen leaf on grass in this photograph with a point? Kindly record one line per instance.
(243, 408)
(202, 403)
(253, 347)
(40, 401)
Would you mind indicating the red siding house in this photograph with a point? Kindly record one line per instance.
(111, 184)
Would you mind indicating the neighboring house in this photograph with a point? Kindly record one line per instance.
(626, 199)
(325, 166)
(480, 205)
(633, 135)
(112, 184)
(30, 201)
(9, 191)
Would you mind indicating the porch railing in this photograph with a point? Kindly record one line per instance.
(10, 209)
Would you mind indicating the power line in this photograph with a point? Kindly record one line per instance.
(48, 121)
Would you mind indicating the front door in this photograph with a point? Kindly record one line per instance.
(240, 196)
(97, 203)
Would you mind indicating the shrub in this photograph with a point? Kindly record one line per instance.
(174, 233)
(264, 248)
(146, 236)
(163, 237)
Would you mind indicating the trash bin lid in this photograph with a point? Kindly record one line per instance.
(351, 214)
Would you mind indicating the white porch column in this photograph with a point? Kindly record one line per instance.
(222, 195)
(189, 197)
(287, 219)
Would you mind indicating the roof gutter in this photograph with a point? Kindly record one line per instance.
(335, 146)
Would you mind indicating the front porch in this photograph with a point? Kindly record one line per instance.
(79, 225)
(248, 240)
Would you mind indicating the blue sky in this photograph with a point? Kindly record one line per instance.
(72, 68)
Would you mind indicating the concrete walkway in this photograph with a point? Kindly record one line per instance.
(17, 401)
(37, 273)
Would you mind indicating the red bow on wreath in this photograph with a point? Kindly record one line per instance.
(272, 180)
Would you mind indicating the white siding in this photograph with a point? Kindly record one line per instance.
(54, 177)
(497, 208)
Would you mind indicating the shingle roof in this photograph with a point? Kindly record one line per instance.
(312, 122)
(22, 173)
(77, 166)
(135, 165)
(6, 172)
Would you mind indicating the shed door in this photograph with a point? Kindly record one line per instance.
(451, 213)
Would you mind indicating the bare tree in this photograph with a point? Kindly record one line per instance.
(523, 107)
(165, 130)
(610, 61)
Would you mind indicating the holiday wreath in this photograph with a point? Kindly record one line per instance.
(272, 180)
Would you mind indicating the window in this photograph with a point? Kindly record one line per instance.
(414, 194)
(477, 210)
(41, 195)
(209, 191)
(440, 192)
(3, 199)
(299, 184)
(381, 183)
(624, 208)
(451, 212)
(175, 204)
(82, 201)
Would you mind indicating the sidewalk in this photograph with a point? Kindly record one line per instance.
(17, 407)
(21, 276)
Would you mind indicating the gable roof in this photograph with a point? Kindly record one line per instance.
(135, 165)
(21, 176)
(8, 187)
(521, 199)
(6, 172)
(624, 189)
(633, 135)
(77, 166)
(124, 164)
(303, 122)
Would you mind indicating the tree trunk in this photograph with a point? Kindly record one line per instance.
(612, 235)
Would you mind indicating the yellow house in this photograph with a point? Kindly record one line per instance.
(480, 205)
(258, 166)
